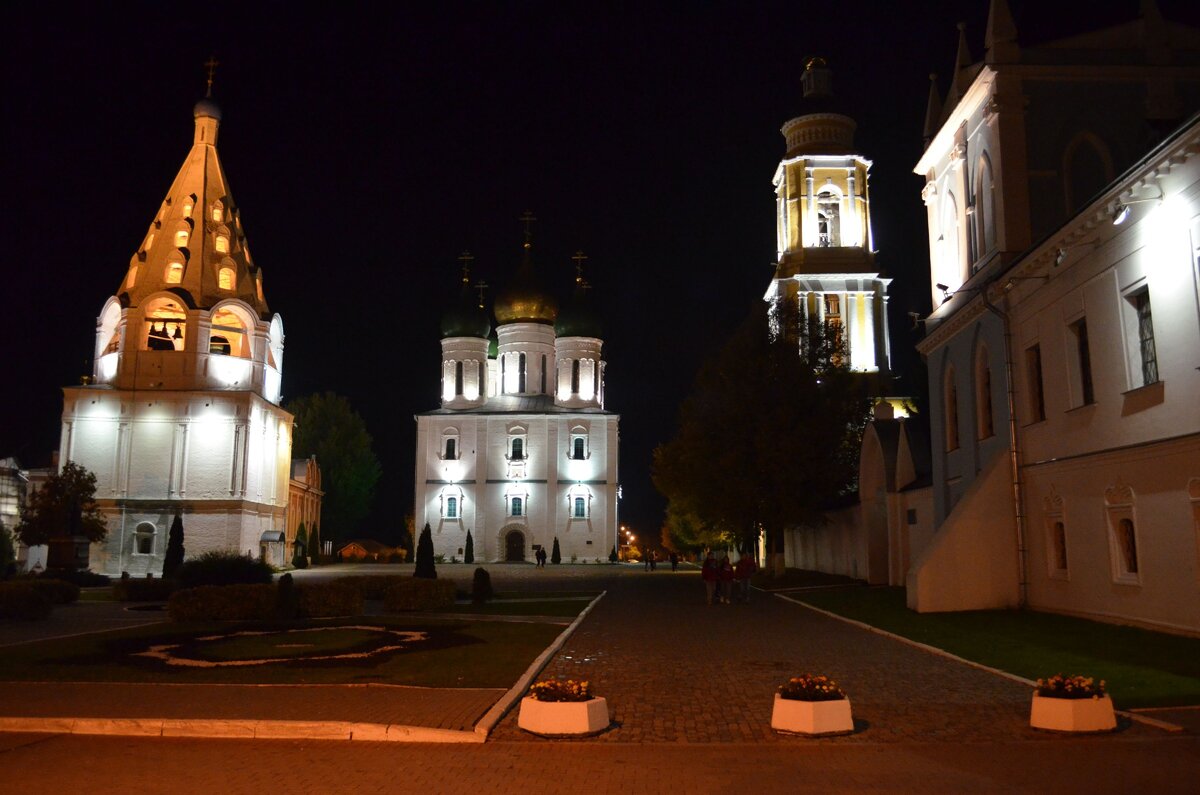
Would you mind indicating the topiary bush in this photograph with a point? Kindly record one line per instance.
(612, 556)
(425, 566)
(59, 592)
(21, 601)
(287, 602)
(481, 586)
(223, 603)
(174, 557)
(223, 568)
(556, 554)
(371, 586)
(469, 553)
(128, 589)
(329, 599)
(80, 577)
(418, 594)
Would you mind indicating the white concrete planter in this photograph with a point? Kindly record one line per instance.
(812, 717)
(1072, 714)
(559, 718)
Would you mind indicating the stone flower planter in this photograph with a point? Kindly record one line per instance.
(563, 718)
(1072, 714)
(812, 717)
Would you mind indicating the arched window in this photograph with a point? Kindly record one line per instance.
(226, 279)
(829, 231)
(1127, 544)
(482, 381)
(580, 508)
(222, 244)
(181, 238)
(143, 539)
(518, 449)
(1060, 546)
(218, 345)
(458, 378)
(188, 203)
(503, 374)
(575, 377)
(165, 325)
(950, 405)
(521, 373)
(1087, 169)
(174, 273)
(230, 326)
(950, 269)
(578, 451)
(516, 506)
(984, 423)
(985, 207)
(452, 507)
(543, 373)
(218, 212)
(451, 448)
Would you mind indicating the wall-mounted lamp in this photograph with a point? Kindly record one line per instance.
(945, 291)
(1059, 256)
(1121, 209)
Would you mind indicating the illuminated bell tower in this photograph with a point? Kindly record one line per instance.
(825, 263)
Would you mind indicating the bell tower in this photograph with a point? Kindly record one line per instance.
(825, 259)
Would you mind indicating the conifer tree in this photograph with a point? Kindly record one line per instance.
(425, 566)
(300, 548)
(469, 554)
(174, 555)
(556, 555)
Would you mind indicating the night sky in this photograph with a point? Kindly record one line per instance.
(367, 147)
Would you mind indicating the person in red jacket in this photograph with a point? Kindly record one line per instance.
(710, 573)
(726, 576)
(742, 573)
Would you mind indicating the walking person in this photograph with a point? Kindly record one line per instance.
(710, 573)
(742, 573)
(674, 561)
(726, 577)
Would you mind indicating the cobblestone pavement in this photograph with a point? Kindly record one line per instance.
(54, 764)
(675, 670)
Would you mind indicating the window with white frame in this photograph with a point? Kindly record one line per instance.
(450, 447)
(516, 506)
(451, 506)
(1139, 336)
(579, 444)
(517, 450)
(1079, 356)
(1056, 544)
(143, 539)
(579, 507)
(1123, 535)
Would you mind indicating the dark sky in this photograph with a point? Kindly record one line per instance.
(367, 146)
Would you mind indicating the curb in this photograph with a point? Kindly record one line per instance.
(1158, 724)
(239, 729)
(489, 720)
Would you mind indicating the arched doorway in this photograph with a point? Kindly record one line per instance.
(514, 547)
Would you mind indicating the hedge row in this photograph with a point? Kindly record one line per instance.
(223, 603)
(59, 592)
(373, 586)
(327, 600)
(23, 601)
(417, 593)
(142, 590)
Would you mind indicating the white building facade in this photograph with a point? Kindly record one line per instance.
(1064, 345)
(522, 450)
(181, 415)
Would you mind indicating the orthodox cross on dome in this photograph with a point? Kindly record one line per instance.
(211, 65)
(528, 218)
(579, 258)
(480, 286)
(466, 259)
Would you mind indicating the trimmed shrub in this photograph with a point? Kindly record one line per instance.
(286, 600)
(612, 556)
(223, 568)
(59, 592)
(556, 554)
(127, 589)
(481, 586)
(174, 557)
(329, 599)
(399, 556)
(425, 567)
(223, 603)
(300, 548)
(469, 554)
(418, 594)
(82, 578)
(372, 586)
(21, 601)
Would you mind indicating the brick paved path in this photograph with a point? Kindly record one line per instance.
(675, 670)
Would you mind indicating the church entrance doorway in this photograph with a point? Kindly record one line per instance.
(514, 547)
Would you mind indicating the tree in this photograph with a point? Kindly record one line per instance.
(612, 556)
(327, 427)
(300, 548)
(469, 554)
(768, 437)
(8, 553)
(425, 566)
(63, 508)
(556, 554)
(314, 542)
(174, 557)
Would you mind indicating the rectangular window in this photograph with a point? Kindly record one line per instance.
(1123, 545)
(578, 448)
(580, 508)
(518, 449)
(516, 507)
(452, 507)
(1085, 395)
(451, 449)
(1033, 371)
(1056, 547)
(1145, 336)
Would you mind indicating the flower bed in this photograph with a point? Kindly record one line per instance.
(557, 708)
(811, 705)
(1072, 704)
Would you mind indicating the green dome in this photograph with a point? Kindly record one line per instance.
(579, 318)
(465, 318)
(493, 345)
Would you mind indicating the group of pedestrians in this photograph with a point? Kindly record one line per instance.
(725, 582)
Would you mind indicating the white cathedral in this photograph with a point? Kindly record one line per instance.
(522, 450)
(181, 415)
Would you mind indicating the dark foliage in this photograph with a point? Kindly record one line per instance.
(287, 602)
(612, 556)
(64, 507)
(80, 577)
(418, 594)
(469, 553)
(425, 565)
(128, 589)
(556, 553)
(21, 601)
(222, 568)
(223, 603)
(174, 557)
(481, 586)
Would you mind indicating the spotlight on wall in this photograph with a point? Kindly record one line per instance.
(945, 291)
(1120, 213)
(1060, 256)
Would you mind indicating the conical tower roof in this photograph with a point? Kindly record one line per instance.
(196, 246)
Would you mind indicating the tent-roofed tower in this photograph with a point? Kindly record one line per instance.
(181, 414)
(825, 259)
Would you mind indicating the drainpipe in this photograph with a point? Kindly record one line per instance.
(1014, 453)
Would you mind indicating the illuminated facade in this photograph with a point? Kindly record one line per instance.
(825, 259)
(522, 449)
(181, 415)
(1063, 195)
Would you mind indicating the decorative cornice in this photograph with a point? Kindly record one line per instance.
(1120, 493)
(1053, 501)
(929, 192)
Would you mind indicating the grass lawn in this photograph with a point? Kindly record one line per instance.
(1142, 668)
(799, 578)
(96, 595)
(457, 653)
(524, 607)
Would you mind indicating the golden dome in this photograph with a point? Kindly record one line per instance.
(525, 300)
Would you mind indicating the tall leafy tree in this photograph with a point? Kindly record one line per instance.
(8, 553)
(174, 556)
(768, 437)
(64, 507)
(425, 564)
(327, 426)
